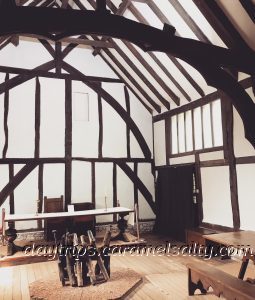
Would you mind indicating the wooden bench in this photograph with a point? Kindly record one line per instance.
(202, 276)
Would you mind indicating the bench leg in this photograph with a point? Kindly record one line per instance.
(243, 268)
(192, 286)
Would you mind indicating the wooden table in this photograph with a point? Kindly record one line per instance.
(122, 211)
(45, 216)
(238, 240)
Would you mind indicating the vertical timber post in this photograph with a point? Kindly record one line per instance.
(68, 142)
(228, 126)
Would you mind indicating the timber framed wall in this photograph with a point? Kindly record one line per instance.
(224, 173)
(48, 151)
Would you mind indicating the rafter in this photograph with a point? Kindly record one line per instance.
(132, 65)
(221, 24)
(133, 81)
(189, 21)
(150, 110)
(164, 20)
(142, 19)
(149, 39)
(249, 7)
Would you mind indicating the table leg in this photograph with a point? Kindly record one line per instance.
(243, 267)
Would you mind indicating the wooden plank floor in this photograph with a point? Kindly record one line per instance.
(164, 277)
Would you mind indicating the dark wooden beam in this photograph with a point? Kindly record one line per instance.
(127, 101)
(15, 81)
(214, 163)
(93, 183)
(142, 19)
(192, 105)
(116, 106)
(37, 118)
(40, 193)
(64, 4)
(61, 160)
(135, 186)
(249, 7)
(51, 160)
(114, 189)
(46, 74)
(245, 160)
(164, 20)
(48, 47)
(11, 175)
(139, 73)
(16, 180)
(138, 184)
(156, 77)
(87, 42)
(101, 6)
(199, 196)
(47, 3)
(132, 81)
(113, 160)
(58, 57)
(189, 21)
(68, 142)
(221, 24)
(132, 65)
(100, 127)
(6, 112)
(6, 42)
(206, 150)
(245, 83)
(168, 141)
(227, 110)
(128, 85)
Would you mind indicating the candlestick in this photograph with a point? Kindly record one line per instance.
(105, 203)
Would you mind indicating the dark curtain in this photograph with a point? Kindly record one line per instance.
(176, 210)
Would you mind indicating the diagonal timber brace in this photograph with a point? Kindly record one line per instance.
(139, 184)
(16, 180)
(56, 24)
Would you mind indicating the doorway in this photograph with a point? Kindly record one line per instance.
(177, 208)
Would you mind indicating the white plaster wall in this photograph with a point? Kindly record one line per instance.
(85, 134)
(21, 121)
(143, 120)
(4, 179)
(114, 133)
(25, 196)
(125, 188)
(159, 143)
(182, 160)
(52, 130)
(246, 195)
(216, 196)
(104, 189)
(144, 172)
(81, 182)
(24, 56)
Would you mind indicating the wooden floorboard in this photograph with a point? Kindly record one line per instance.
(164, 277)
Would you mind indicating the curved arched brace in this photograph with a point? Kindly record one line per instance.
(58, 23)
(115, 105)
(138, 184)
